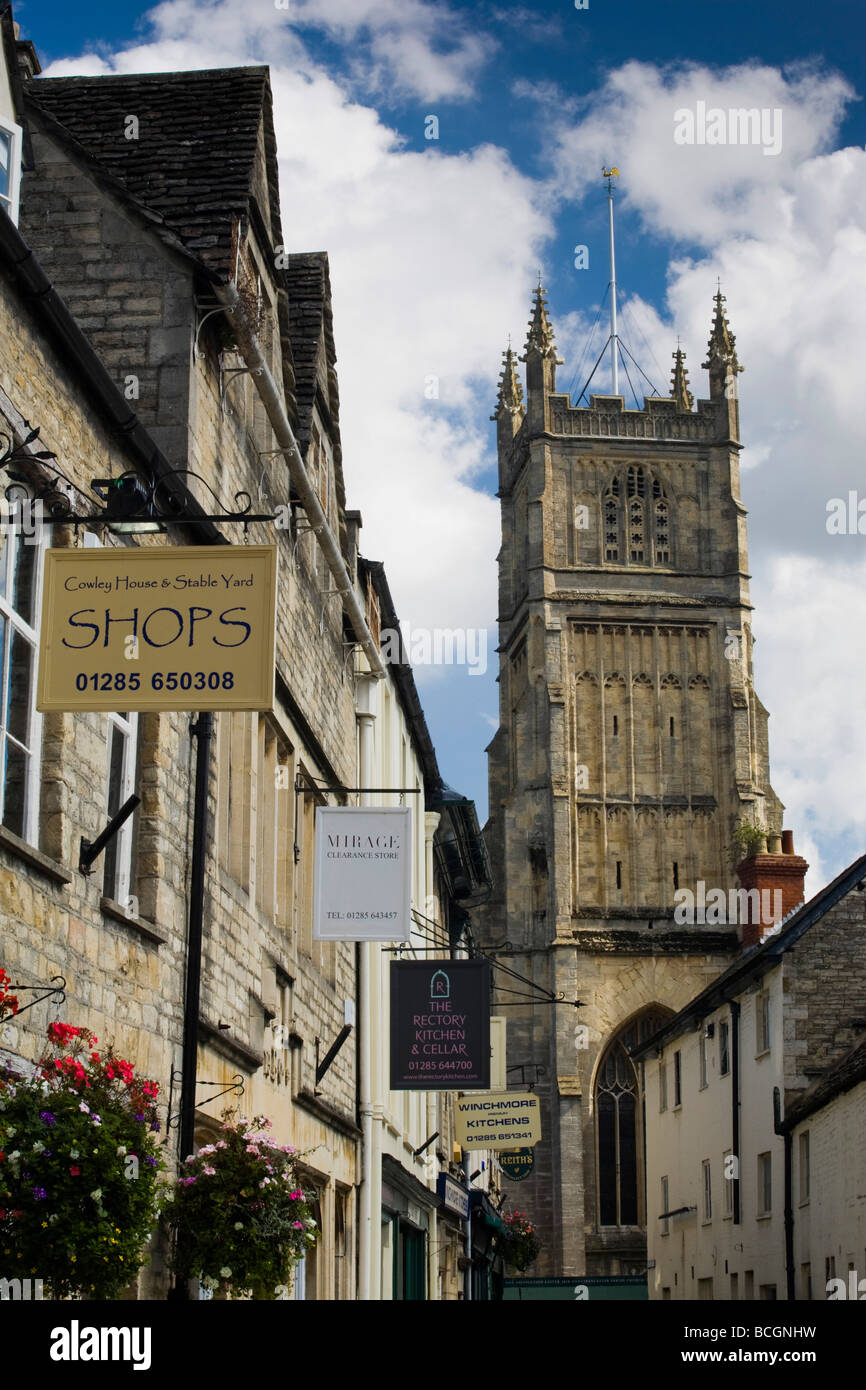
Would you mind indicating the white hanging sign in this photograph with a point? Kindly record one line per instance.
(363, 879)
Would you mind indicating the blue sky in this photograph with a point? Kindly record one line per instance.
(435, 247)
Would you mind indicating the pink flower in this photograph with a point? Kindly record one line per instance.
(298, 1225)
(209, 1172)
(297, 1196)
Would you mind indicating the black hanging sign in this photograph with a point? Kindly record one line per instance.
(440, 1025)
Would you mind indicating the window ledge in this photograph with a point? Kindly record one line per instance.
(763, 1216)
(765, 1052)
(112, 909)
(49, 868)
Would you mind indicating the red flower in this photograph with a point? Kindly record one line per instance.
(74, 1172)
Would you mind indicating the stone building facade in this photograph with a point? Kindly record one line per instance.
(631, 742)
(153, 325)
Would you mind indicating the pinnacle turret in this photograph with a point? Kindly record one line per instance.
(680, 382)
(510, 393)
(722, 347)
(540, 336)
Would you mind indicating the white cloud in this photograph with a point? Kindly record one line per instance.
(403, 47)
(787, 236)
(430, 256)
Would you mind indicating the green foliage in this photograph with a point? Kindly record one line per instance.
(746, 840)
(241, 1217)
(78, 1169)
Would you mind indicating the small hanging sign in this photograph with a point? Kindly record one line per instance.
(440, 1025)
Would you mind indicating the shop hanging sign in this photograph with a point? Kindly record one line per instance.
(363, 873)
(517, 1164)
(440, 1025)
(498, 1120)
(158, 628)
(453, 1195)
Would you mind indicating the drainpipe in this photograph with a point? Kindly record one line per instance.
(370, 1215)
(789, 1200)
(272, 400)
(735, 1102)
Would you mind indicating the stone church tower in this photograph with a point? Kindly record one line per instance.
(631, 743)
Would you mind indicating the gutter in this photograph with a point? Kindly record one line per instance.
(271, 398)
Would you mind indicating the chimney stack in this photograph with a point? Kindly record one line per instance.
(780, 881)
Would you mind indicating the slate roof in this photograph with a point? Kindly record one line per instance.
(757, 959)
(192, 164)
(842, 1076)
(308, 282)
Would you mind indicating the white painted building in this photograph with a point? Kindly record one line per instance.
(739, 1204)
(407, 1248)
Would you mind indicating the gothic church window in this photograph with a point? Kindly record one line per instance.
(642, 509)
(618, 1124)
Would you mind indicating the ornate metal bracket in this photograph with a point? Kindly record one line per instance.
(57, 989)
(236, 1088)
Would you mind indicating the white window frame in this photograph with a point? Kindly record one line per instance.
(762, 1023)
(12, 542)
(10, 202)
(765, 1182)
(804, 1161)
(707, 1175)
(128, 730)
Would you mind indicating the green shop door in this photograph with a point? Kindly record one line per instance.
(410, 1264)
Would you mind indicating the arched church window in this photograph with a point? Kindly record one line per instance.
(636, 530)
(619, 1123)
(611, 527)
(663, 535)
(636, 482)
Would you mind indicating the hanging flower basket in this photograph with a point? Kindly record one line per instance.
(520, 1244)
(78, 1169)
(241, 1217)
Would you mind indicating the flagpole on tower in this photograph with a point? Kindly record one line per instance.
(610, 175)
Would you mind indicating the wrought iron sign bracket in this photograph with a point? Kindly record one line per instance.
(323, 1066)
(176, 1076)
(57, 989)
(91, 849)
(307, 787)
(133, 504)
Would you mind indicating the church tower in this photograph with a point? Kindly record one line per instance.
(631, 744)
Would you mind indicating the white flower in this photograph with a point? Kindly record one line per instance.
(239, 1225)
(38, 1147)
(73, 1153)
(85, 1107)
(96, 1194)
(10, 1130)
(225, 1272)
(121, 1149)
